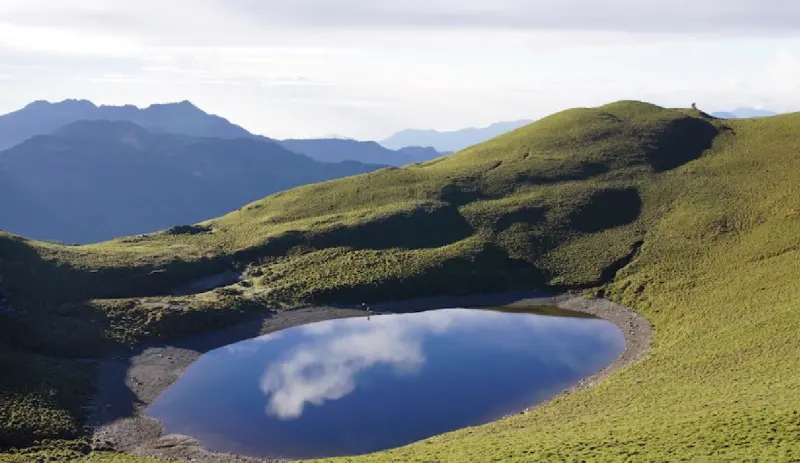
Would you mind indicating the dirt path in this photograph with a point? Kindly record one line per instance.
(129, 383)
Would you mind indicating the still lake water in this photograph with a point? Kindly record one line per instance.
(357, 385)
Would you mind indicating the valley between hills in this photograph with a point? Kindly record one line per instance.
(689, 220)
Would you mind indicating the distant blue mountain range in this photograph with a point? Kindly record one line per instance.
(44, 118)
(96, 180)
(450, 141)
(744, 113)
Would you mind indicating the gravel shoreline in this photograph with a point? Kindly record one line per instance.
(129, 383)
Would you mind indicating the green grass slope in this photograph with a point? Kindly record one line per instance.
(693, 221)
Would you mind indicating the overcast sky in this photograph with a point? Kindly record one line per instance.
(367, 68)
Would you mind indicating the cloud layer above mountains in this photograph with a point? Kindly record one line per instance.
(367, 68)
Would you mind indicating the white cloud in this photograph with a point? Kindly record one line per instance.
(251, 16)
(316, 372)
(672, 16)
(785, 71)
(323, 367)
(366, 68)
(282, 24)
(64, 41)
(318, 328)
(252, 346)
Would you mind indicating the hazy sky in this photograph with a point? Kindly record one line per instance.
(366, 68)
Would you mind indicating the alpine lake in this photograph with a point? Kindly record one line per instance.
(358, 385)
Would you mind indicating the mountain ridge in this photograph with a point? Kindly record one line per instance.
(339, 149)
(96, 180)
(744, 113)
(43, 117)
(450, 140)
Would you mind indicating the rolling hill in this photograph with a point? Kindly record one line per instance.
(450, 141)
(97, 180)
(690, 220)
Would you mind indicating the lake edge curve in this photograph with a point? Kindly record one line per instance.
(128, 384)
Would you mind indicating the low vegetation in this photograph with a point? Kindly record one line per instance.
(690, 220)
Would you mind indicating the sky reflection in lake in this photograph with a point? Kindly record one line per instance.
(353, 386)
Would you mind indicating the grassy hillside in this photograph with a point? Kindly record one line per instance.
(693, 221)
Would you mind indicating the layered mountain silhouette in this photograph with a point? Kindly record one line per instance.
(450, 141)
(42, 118)
(96, 180)
(338, 149)
(744, 113)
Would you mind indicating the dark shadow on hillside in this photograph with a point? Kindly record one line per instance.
(273, 247)
(43, 321)
(607, 274)
(526, 215)
(50, 283)
(40, 358)
(489, 270)
(459, 194)
(681, 141)
(423, 227)
(53, 352)
(188, 230)
(46, 384)
(77, 332)
(582, 171)
(607, 209)
(429, 226)
(610, 272)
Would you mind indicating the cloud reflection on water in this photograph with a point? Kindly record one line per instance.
(325, 364)
(252, 345)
